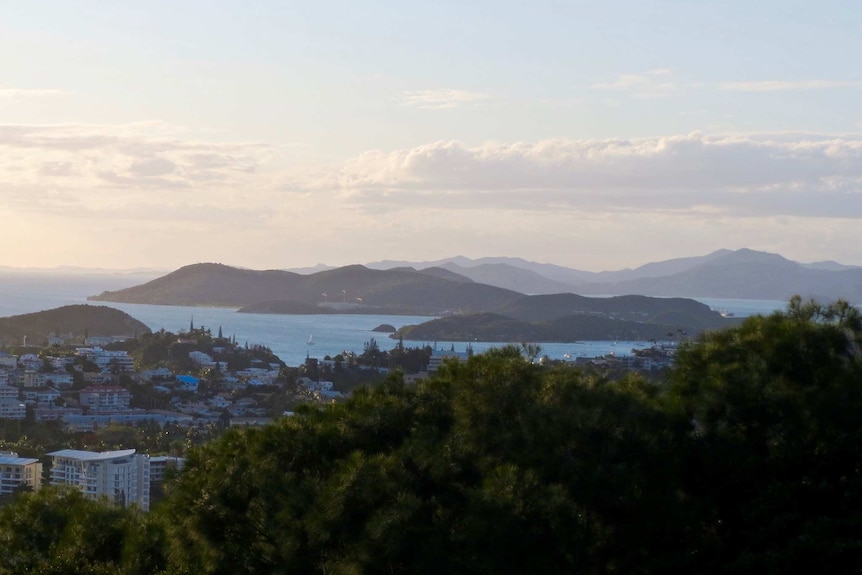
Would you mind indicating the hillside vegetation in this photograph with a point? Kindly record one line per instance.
(348, 289)
(744, 460)
(72, 321)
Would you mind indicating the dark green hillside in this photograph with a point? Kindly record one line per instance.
(402, 288)
(73, 320)
(500, 328)
(354, 289)
(636, 308)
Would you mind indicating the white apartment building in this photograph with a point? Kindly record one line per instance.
(12, 408)
(41, 379)
(8, 361)
(120, 476)
(18, 472)
(108, 359)
(105, 397)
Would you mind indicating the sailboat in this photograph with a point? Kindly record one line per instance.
(310, 340)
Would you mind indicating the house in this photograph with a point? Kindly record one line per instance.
(188, 383)
(17, 472)
(122, 477)
(219, 402)
(160, 373)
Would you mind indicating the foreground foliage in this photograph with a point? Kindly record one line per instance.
(746, 460)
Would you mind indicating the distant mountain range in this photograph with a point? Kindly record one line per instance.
(744, 274)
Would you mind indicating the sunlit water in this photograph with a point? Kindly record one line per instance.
(286, 335)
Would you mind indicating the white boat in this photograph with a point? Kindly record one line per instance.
(310, 340)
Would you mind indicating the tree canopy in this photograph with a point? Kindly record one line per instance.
(745, 459)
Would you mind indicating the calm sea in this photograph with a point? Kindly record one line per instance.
(286, 335)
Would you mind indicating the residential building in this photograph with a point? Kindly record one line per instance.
(40, 395)
(439, 356)
(160, 464)
(105, 397)
(108, 360)
(120, 476)
(16, 472)
(8, 361)
(12, 408)
(30, 361)
(8, 390)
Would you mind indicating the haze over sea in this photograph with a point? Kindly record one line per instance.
(286, 335)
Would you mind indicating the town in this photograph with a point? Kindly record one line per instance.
(112, 414)
(134, 406)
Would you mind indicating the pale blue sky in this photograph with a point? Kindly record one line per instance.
(278, 134)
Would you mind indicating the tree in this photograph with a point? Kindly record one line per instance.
(772, 457)
(59, 531)
(496, 465)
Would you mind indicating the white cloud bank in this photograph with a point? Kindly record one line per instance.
(145, 195)
(739, 175)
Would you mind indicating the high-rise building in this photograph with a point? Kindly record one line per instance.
(120, 476)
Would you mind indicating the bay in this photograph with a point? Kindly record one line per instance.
(286, 335)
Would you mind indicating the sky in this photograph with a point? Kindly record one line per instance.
(278, 134)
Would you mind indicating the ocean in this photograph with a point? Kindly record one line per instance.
(286, 335)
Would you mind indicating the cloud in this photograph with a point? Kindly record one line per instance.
(147, 195)
(82, 170)
(651, 84)
(440, 99)
(787, 85)
(740, 175)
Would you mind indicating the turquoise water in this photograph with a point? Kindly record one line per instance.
(286, 335)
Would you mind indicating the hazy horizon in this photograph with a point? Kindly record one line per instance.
(67, 269)
(282, 135)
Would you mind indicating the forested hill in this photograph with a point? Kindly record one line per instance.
(71, 320)
(570, 317)
(347, 289)
(208, 284)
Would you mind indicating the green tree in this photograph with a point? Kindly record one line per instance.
(773, 462)
(58, 531)
(497, 465)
